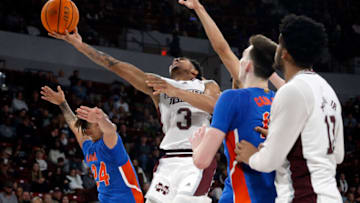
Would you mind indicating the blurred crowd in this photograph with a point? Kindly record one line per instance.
(105, 22)
(41, 160)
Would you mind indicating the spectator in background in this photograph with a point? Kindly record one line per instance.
(8, 196)
(174, 45)
(62, 80)
(74, 78)
(36, 200)
(7, 130)
(75, 181)
(79, 90)
(38, 183)
(350, 121)
(48, 198)
(57, 195)
(26, 198)
(343, 184)
(56, 152)
(39, 154)
(18, 103)
(19, 193)
(122, 104)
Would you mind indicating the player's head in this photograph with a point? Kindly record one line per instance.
(258, 58)
(89, 129)
(302, 42)
(186, 68)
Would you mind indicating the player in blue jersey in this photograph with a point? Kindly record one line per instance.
(236, 114)
(103, 150)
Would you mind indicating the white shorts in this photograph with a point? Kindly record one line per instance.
(179, 175)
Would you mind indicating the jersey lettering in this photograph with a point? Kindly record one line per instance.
(331, 133)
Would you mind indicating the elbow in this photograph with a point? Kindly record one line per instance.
(221, 49)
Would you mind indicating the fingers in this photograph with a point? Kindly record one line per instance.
(76, 30)
(56, 35)
(261, 130)
(46, 91)
(182, 2)
(59, 88)
(67, 33)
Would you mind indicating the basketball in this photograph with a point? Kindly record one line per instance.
(59, 15)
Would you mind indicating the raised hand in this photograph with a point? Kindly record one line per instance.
(160, 86)
(92, 115)
(198, 136)
(52, 96)
(191, 4)
(74, 38)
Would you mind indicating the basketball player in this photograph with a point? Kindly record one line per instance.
(220, 46)
(236, 114)
(103, 150)
(176, 179)
(305, 140)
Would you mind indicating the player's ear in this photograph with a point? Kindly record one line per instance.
(249, 66)
(285, 55)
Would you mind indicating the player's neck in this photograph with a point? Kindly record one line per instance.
(290, 71)
(256, 82)
(182, 77)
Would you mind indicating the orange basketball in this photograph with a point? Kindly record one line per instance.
(58, 15)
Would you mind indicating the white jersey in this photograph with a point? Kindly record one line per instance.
(179, 119)
(305, 141)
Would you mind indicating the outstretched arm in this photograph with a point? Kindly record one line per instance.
(128, 72)
(205, 102)
(217, 40)
(96, 115)
(58, 98)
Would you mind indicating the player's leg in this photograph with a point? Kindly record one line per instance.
(161, 189)
(180, 198)
(195, 184)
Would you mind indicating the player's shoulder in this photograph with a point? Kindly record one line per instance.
(235, 93)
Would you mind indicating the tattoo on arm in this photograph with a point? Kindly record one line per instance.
(67, 112)
(99, 57)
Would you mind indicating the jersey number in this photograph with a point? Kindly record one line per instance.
(266, 121)
(103, 175)
(331, 132)
(187, 116)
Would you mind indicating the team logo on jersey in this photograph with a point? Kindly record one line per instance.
(164, 189)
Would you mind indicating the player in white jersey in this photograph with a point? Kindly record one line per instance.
(305, 139)
(176, 178)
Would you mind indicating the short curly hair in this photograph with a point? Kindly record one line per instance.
(304, 39)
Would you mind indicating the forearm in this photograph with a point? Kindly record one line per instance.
(128, 72)
(69, 115)
(200, 101)
(276, 80)
(218, 42)
(70, 119)
(106, 125)
(205, 152)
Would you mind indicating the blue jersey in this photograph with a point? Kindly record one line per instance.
(113, 172)
(237, 113)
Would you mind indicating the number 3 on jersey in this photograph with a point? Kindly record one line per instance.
(103, 175)
(187, 117)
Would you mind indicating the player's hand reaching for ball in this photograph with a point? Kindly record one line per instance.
(92, 115)
(244, 150)
(191, 4)
(52, 96)
(74, 38)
